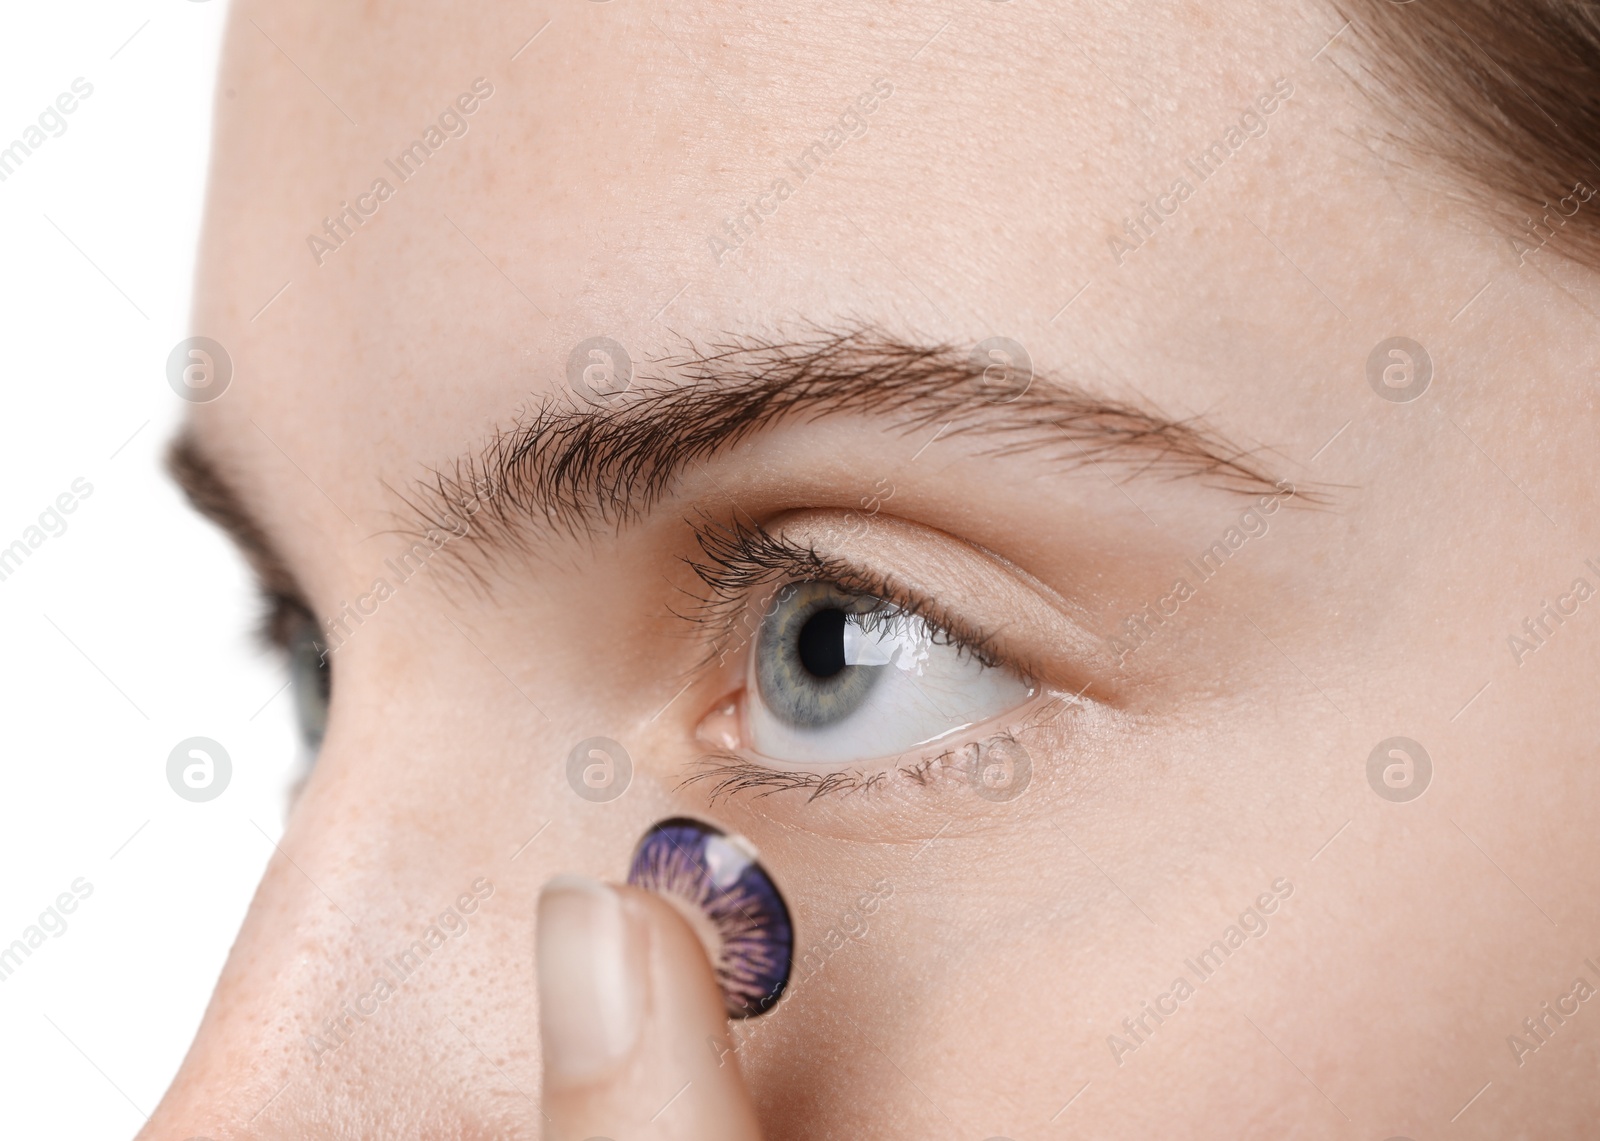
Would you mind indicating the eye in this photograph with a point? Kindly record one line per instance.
(310, 681)
(837, 677)
(734, 907)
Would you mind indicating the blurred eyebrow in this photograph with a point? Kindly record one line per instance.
(567, 467)
(214, 497)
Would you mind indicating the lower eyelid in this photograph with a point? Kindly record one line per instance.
(974, 763)
(732, 775)
(1045, 645)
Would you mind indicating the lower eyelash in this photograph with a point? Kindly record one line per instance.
(732, 775)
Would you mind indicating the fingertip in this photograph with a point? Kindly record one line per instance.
(680, 956)
(591, 950)
(608, 954)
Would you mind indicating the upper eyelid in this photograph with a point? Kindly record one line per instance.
(989, 604)
(732, 587)
(781, 556)
(730, 583)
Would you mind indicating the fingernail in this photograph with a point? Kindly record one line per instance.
(590, 969)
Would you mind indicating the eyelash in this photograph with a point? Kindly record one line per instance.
(732, 775)
(281, 616)
(738, 560)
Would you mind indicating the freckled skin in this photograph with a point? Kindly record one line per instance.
(982, 197)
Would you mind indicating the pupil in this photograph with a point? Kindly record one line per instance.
(822, 643)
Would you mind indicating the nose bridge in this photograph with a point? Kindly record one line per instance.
(382, 982)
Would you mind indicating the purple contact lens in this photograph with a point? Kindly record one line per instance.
(730, 900)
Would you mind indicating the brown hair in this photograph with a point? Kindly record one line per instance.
(1502, 94)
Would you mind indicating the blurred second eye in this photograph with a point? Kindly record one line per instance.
(838, 677)
(310, 683)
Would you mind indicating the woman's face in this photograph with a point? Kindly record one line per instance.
(1223, 682)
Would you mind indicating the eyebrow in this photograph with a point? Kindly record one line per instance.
(567, 467)
(214, 496)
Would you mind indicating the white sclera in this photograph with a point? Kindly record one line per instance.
(933, 691)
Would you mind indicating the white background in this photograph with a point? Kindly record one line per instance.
(132, 630)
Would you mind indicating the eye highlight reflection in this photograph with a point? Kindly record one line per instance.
(838, 676)
(730, 901)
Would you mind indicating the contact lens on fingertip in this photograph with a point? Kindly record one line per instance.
(718, 884)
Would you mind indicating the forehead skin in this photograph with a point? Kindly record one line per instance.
(982, 200)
